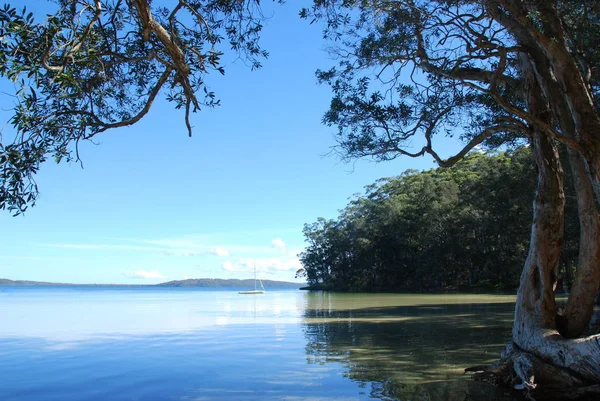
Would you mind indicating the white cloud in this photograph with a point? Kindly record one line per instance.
(278, 243)
(103, 247)
(143, 274)
(177, 243)
(169, 247)
(229, 266)
(181, 253)
(218, 251)
(177, 247)
(263, 265)
(42, 258)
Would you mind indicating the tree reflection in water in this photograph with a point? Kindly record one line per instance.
(409, 347)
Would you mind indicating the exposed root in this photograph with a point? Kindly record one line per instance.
(535, 378)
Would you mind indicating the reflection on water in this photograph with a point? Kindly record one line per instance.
(411, 347)
(188, 344)
(77, 314)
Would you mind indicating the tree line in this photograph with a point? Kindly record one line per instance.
(447, 228)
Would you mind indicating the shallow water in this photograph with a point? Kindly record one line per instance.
(124, 343)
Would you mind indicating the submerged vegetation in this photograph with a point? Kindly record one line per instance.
(465, 227)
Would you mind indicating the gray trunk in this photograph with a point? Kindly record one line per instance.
(540, 347)
(580, 305)
(535, 332)
(535, 308)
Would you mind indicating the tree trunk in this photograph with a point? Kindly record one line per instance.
(535, 308)
(539, 359)
(580, 305)
(553, 73)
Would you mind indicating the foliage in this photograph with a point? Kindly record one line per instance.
(95, 65)
(411, 70)
(467, 225)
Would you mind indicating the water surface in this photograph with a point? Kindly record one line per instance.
(89, 343)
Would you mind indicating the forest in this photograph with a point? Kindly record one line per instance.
(461, 228)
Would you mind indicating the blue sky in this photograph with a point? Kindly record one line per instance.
(152, 204)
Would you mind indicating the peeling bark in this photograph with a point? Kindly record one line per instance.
(535, 307)
(552, 73)
(542, 359)
(580, 305)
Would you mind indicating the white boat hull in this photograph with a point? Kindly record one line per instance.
(252, 292)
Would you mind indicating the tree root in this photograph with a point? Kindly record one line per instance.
(535, 378)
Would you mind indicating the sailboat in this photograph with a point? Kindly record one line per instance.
(255, 290)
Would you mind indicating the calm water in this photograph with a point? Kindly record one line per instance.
(192, 344)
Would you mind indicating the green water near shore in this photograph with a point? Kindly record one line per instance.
(410, 346)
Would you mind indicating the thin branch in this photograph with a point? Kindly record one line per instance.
(105, 126)
(187, 117)
(477, 140)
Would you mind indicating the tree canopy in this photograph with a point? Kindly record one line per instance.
(411, 70)
(94, 65)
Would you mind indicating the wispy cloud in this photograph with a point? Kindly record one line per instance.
(40, 258)
(103, 247)
(143, 274)
(219, 244)
(278, 243)
(273, 257)
(218, 251)
(263, 265)
(165, 247)
(231, 267)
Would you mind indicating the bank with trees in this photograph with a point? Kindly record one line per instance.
(461, 228)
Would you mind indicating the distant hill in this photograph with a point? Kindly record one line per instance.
(217, 282)
(5, 281)
(28, 283)
(195, 282)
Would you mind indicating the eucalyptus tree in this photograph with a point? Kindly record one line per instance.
(489, 71)
(94, 65)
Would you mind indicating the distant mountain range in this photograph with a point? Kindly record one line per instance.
(192, 282)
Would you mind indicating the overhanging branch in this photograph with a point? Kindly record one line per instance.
(477, 140)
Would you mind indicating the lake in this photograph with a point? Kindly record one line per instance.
(145, 343)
